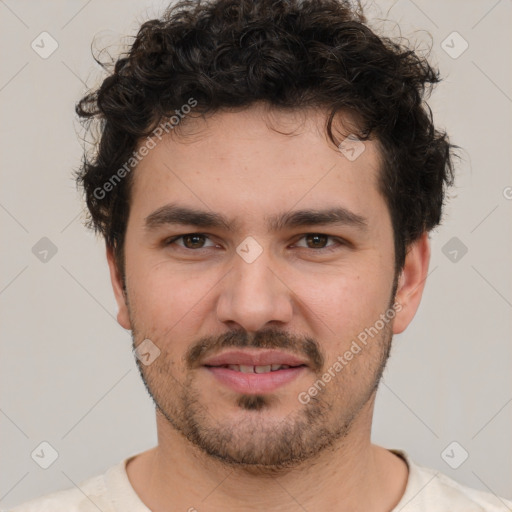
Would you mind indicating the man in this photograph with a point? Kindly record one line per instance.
(265, 181)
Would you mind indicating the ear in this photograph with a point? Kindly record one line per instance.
(117, 284)
(411, 283)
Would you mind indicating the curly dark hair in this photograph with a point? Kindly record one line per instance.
(290, 54)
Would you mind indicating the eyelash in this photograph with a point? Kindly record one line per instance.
(339, 242)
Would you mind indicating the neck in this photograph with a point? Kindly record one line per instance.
(351, 475)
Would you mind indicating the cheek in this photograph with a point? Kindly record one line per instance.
(346, 303)
(166, 300)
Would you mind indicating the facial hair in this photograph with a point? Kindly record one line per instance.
(258, 443)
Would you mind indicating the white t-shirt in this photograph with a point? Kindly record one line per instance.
(426, 491)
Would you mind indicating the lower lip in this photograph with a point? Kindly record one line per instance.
(255, 383)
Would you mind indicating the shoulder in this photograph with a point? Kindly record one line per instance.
(89, 496)
(428, 489)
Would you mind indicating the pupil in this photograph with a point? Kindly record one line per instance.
(316, 237)
(195, 238)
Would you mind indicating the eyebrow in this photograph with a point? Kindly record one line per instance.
(173, 214)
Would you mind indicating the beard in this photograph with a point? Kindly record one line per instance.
(258, 440)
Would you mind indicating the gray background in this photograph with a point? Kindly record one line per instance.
(67, 372)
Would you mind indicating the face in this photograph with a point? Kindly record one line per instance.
(248, 249)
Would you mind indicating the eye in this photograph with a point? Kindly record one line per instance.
(190, 241)
(318, 241)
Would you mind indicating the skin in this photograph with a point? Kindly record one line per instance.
(234, 163)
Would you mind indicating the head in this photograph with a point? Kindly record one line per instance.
(266, 177)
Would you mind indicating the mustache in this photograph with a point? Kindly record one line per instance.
(270, 338)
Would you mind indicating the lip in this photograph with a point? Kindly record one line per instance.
(255, 383)
(255, 357)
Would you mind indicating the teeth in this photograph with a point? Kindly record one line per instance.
(262, 369)
(257, 369)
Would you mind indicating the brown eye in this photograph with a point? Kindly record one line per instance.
(190, 241)
(319, 242)
(193, 241)
(316, 241)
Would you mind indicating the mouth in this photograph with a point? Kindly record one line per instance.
(255, 372)
(256, 369)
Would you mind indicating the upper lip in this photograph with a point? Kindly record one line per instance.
(256, 357)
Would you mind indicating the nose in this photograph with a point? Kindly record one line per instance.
(254, 294)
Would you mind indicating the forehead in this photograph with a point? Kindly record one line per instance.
(255, 161)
